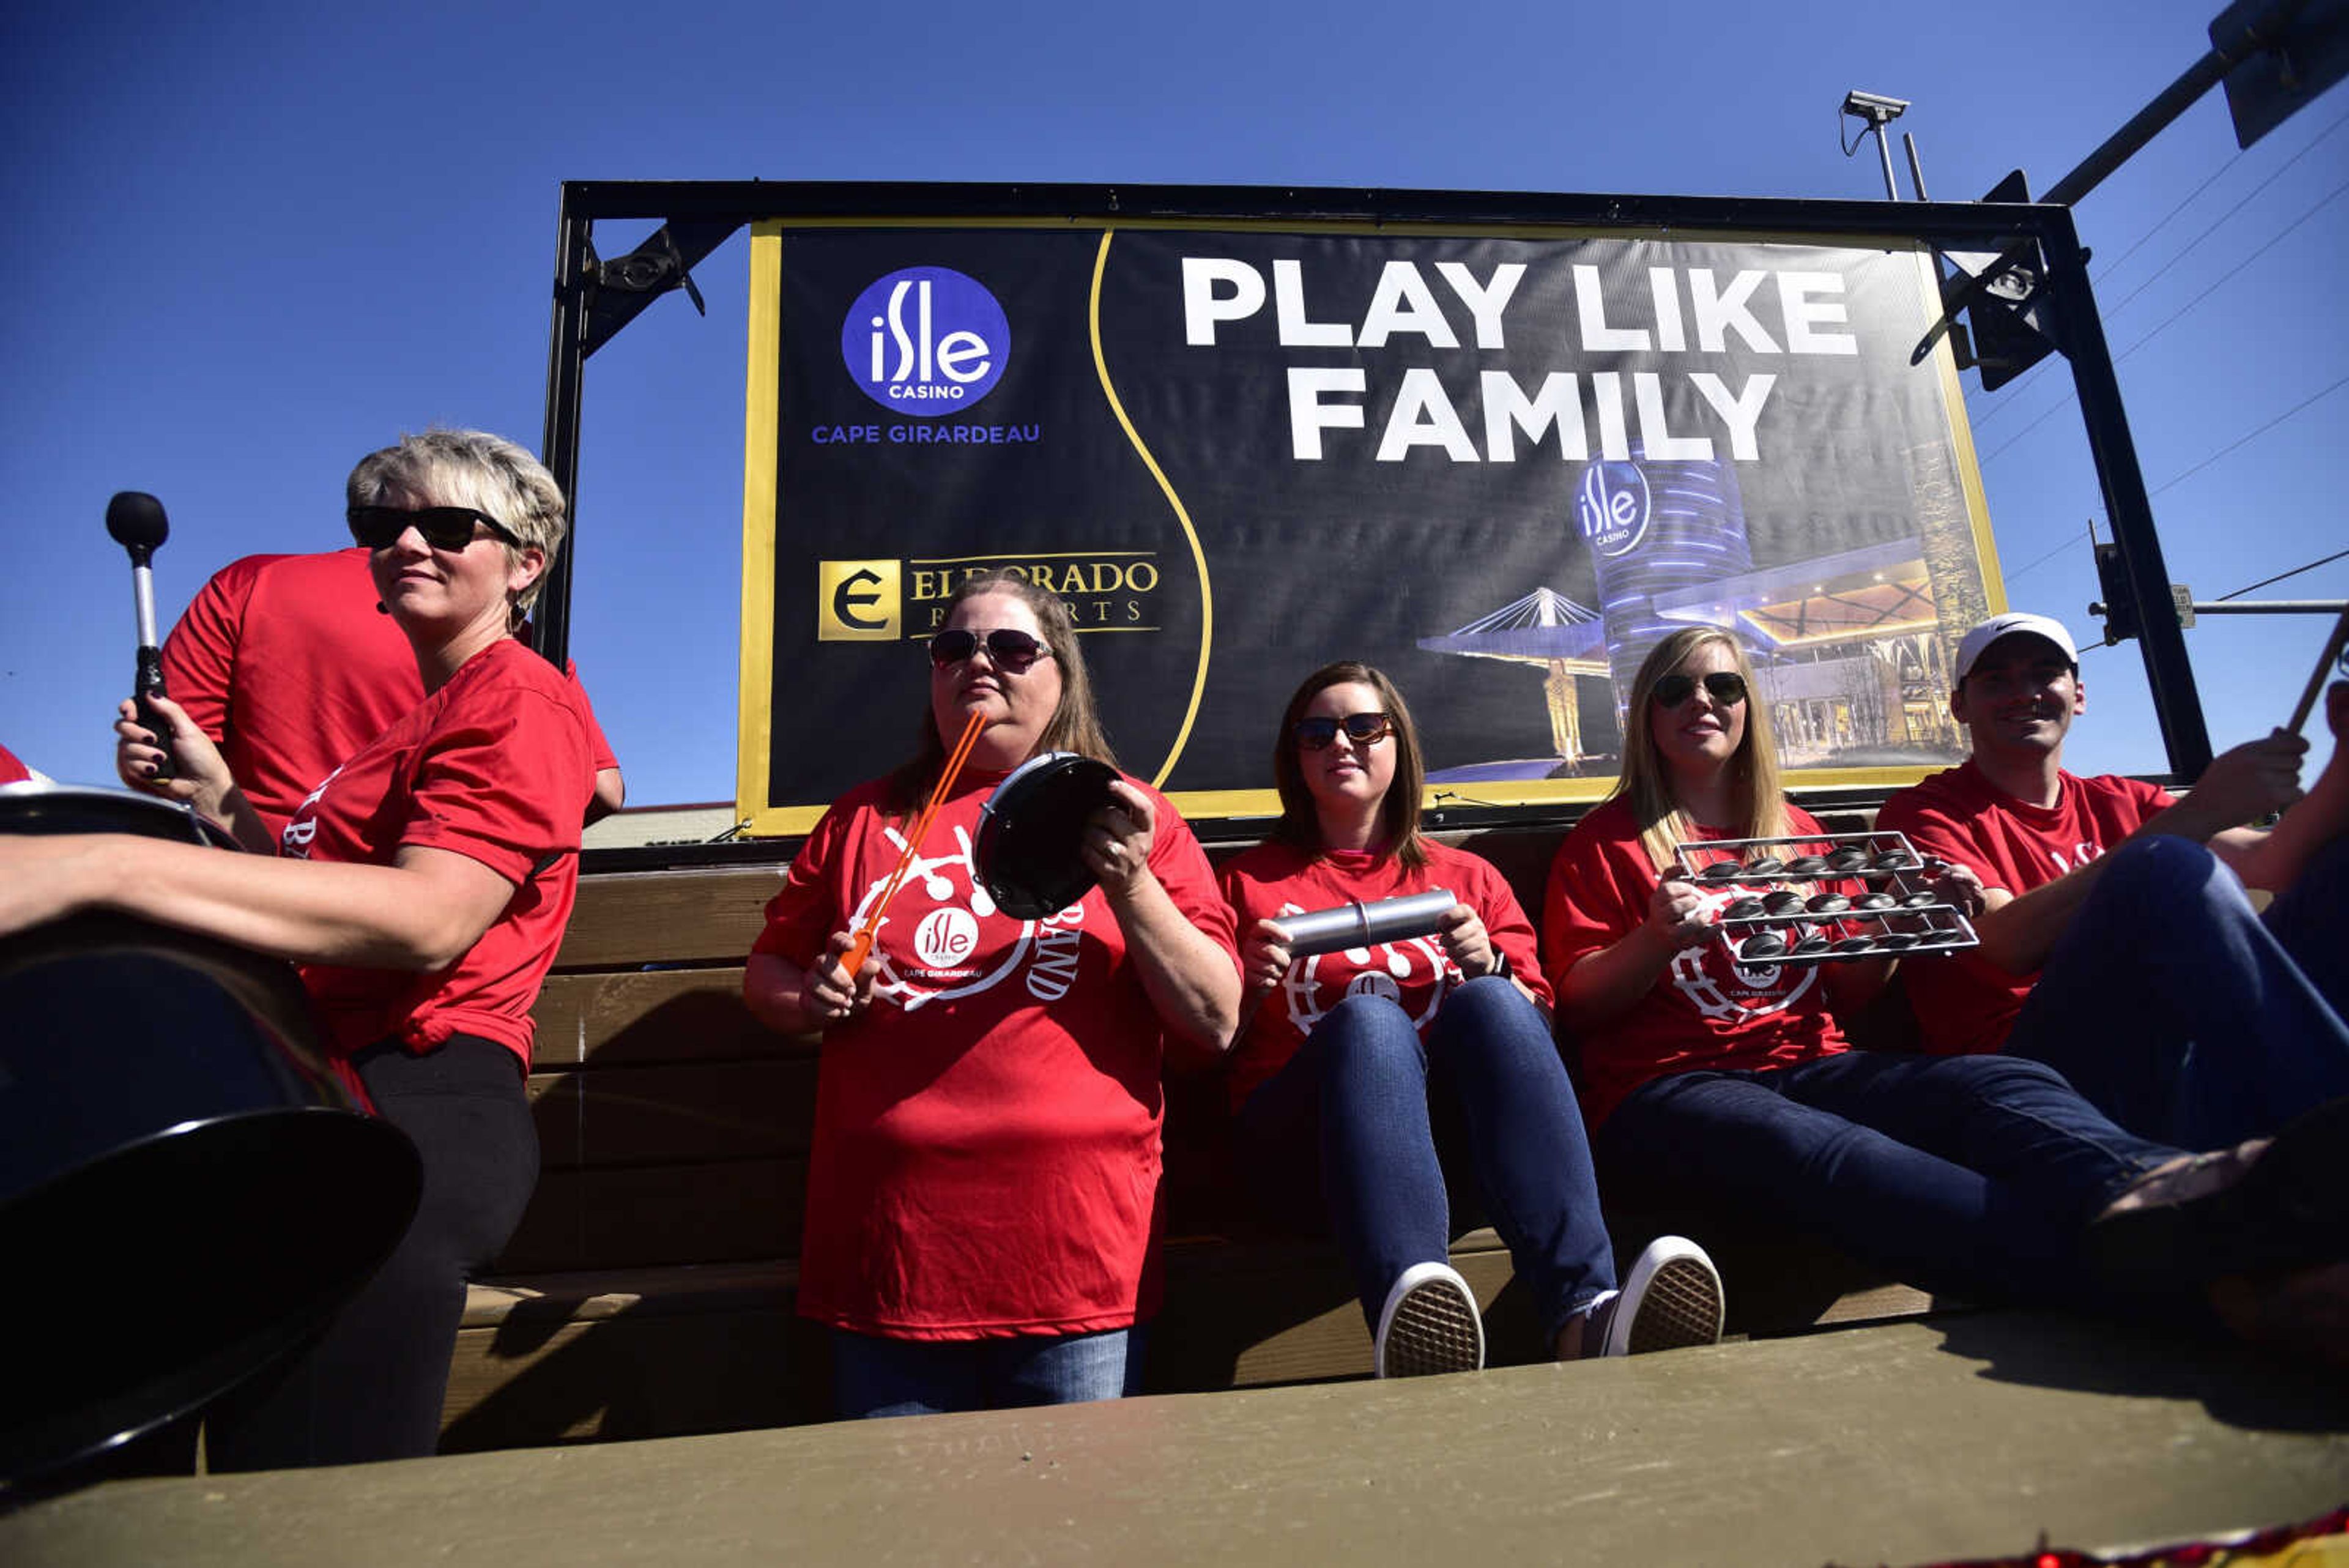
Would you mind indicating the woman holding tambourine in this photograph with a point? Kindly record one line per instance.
(983, 1184)
(1355, 1064)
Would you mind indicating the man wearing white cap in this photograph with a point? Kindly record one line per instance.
(2117, 942)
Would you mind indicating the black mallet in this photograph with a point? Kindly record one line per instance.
(136, 520)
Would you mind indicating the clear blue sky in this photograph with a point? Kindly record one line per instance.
(253, 241)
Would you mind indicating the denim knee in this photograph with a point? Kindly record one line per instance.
(1487, 996)
(1370, 1066)
(1998, 1072)
(1366, 1032)
(2157, 870)
(1490, 1020)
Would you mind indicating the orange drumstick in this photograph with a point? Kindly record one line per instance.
(858, 950)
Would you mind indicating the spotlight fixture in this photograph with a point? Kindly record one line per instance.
(1874, 107)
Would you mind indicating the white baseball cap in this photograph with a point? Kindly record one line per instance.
(1999, 626)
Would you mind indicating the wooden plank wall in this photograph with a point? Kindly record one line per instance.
(673, 1128)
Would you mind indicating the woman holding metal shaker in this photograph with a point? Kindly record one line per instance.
(1364, 1050)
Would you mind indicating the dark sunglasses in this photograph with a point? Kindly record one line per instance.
(1362, 729)
(1726, 686)
(443, 527)
(1008, 649)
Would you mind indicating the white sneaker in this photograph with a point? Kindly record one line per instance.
(1671, 1298)
(1430, 1324)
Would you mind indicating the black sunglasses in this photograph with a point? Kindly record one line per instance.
(1362, 729)
(443, 527)
(1010, 649)
(1726, 686)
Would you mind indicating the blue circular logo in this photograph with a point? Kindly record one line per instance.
(926, 340)
(1611, 506)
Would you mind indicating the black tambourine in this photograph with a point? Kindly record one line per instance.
(1027, 857)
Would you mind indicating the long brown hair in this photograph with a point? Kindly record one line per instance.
(1301, 824)
(1076, 723)
(1760, 803)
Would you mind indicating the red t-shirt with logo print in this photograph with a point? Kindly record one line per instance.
(986, 1154)
(1965, 1004)
(1276, 879)
(495, 766)
(1706, 1010)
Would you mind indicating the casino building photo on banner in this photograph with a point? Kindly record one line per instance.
(1500, 465)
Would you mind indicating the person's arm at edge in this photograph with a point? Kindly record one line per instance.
(2019, 930)
(610, 789)
(2273, 859)
(611, 794)
(421, 914)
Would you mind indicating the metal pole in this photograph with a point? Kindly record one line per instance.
(2270, 607)
(1916, 169)
(567, 365)
(2175, 100)
(1884, 152)
(2175, 703)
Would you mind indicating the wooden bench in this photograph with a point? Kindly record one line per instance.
(648, 1290)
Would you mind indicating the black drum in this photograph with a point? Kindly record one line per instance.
(186, 1190)
(1027, 856)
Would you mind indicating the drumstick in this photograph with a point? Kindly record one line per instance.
(858, 950)
(2332, 647)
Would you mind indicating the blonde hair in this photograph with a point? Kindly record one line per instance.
(475, 468)
(1757, 798)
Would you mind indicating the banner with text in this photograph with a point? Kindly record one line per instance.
(1499, 467)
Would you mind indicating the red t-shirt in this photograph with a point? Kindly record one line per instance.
(1275, 880)
(11, 770)
(495, 766)
(286, 662)
(986, 1154)
(1964, 1002)
(1706, 1010)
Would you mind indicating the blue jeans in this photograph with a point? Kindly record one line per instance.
(2183, 1014)
(1349, 1117)
(1966, 1175)
(875, 1377)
